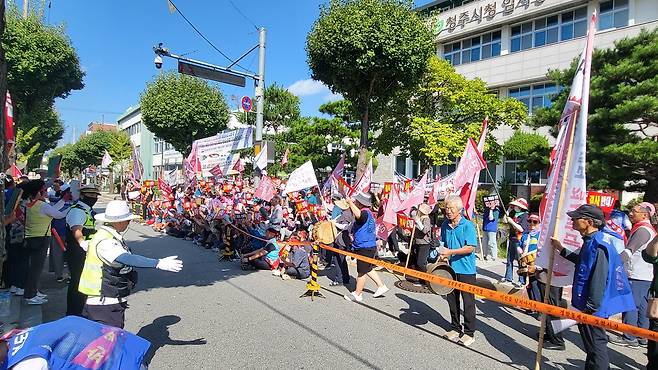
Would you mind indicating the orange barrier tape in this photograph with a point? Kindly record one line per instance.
(506, 299)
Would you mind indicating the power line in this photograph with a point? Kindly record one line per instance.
(202, 36)
(242, 14)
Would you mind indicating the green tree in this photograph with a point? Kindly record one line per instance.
(120, 147)
(180, 109)
(532, 148)
(622, 146)
(42, 65)
(367, 50)
(280, 107)
(432, 120)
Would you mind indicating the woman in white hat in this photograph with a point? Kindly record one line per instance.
(108, 275)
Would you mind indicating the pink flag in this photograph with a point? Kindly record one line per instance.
(363, 185)
(265, 189)
(238, 166)
(469, 204)
(284, 160)
(336, 173)
(416, 196)
(466, 175)
(217, 170)
(9, 119)
(567, 171)
(392, 206)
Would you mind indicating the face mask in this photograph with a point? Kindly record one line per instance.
(89, 201)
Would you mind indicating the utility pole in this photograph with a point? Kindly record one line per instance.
(260, 88)
(25, 5)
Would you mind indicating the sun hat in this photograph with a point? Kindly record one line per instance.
(116, 211)
(520, 202)
(342, 204)
(363, 199)
(534, 217)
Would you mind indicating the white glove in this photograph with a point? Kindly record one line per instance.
(84, 245)
(171, 263)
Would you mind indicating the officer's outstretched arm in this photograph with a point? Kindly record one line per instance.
(171, 263)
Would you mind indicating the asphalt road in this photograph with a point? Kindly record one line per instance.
(213, 315)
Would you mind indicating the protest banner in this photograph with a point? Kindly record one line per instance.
(602, 200)
(265, 189)
(491, 201)
(217, 149)
(301, 178)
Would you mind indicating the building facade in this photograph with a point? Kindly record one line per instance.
(512, 44)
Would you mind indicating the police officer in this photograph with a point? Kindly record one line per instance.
(80, 226)
(598, 287)
(108, 275)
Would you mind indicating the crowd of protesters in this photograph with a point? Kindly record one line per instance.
(228, 218)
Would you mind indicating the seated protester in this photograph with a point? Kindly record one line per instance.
(297, 264)
(266, 258)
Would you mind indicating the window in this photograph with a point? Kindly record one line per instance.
(401, 165)
(133, 129)
(549, 30)
(484, 177)
(534, 96)
(473, 49)
(514, 174)
(538, 177)
(158, 145)
(613, 14)
(445, 169)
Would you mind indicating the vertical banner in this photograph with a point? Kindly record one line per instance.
(567, 172)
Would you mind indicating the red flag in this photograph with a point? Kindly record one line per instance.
(164, 187)
(238, 166)
(467, 174)
(217, 170)
(15, 172)
(416, 196)
(265, 189)
(284, 160)
(9, 120)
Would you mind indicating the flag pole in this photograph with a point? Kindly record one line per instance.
(551, 256)
(411, 243)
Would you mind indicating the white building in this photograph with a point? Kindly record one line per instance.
(512, 44)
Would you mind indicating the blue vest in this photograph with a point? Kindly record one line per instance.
(364, 234)
(76, 343)
(617, 296)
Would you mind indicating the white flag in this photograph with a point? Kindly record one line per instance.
(107, 160)
(569, 153)
(261, 159)
(302, 178)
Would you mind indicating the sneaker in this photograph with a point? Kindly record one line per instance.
(643, 342)
(466, 340)
(335, 283)
(505, 281)
(353, 297)
(553, 346)
(451, 335)
(12, 290)
(36, 300)
(18, 292)
(380, 291)
(285, 277)
(621, 341)
(276, 272)
(39, 294)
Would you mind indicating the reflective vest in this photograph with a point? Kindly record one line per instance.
(88, 228)
(36, 223)
(76, 343)
(101, 280)
(617, 296)
(636, 267)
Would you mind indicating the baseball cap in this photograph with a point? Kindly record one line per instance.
(587, 211)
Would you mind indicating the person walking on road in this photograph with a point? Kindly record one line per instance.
(459, 238)
(640, 273)
(364, 244)
(108, 275)
(490, 228)
(80, 228)
(598, 288)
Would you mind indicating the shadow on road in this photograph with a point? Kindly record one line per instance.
(158, 334)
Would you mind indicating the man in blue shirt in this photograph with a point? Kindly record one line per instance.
(490, 227)
(459, 238)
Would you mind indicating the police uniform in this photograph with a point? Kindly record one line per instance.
(105, 281)
(79, 214)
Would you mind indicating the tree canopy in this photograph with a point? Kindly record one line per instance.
(531, 147)
(367, 50)
(432, 120)
(41, 65)
(622, 151)
(89, 150)
(280, 108)
(180, 109)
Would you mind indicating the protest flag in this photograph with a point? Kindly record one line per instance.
(265, 189)
(336, 173)
(54, 166)
(416, 196)
(260, 161)
(284, 159)
(217, 170)
(363, 185)
(107, 160)
(301, 178)
(9, 120)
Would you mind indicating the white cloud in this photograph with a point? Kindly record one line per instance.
(333, 97)
(308, 87)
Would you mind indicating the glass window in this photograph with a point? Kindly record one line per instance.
(484, 177)
(550, 30)
(401, 165)
(613, 14)
(473, 49)
(534, 96)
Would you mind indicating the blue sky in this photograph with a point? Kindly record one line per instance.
(114, 40)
